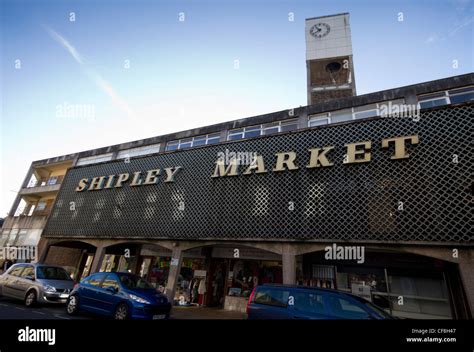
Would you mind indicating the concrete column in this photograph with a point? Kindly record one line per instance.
(43, 249)
(466, 269)
(175, 269)
(98, 258)
(289, 264)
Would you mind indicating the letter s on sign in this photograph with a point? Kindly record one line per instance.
(82, 185)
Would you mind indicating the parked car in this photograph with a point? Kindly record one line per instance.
(36, 283)
(301, 302)
(118, 295)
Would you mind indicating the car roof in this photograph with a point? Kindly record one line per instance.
(37, 265)
(301, 287)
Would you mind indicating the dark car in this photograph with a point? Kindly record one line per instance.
(118, 295)
(301, 302)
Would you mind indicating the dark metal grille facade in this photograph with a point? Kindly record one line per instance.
(353, 202)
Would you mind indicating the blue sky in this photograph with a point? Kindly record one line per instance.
(181, 74)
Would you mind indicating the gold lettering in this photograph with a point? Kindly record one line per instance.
(151, 177)
(136, 181)
(318, 157)
(221, 170)
(82, 185)
(287, 159)
(258, 164)
(96, 183)
(121, 179)
(170, 173)
(356, 155)
(109, 182)
(399, 142)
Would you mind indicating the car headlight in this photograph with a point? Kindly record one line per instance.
(48, 288)
(138, 299)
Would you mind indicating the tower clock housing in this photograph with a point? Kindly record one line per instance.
(329, 65)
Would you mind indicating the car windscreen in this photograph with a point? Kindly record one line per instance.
(133, 282)
(52, 273)
(374, 308)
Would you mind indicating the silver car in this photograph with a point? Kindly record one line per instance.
(36, 283)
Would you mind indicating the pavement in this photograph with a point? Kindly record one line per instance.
(205, 313)
(15, 309)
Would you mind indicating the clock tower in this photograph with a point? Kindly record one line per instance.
(329, 65)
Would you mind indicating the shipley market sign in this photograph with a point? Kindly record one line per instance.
(358, 152)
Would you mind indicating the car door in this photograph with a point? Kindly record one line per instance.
(108, 293)
(270, 303)
(10, 287)
(344, 307)
(89, 292)
(309, 304)
(25, 280)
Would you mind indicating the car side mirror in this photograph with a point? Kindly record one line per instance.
(29, 277)
(112, 290)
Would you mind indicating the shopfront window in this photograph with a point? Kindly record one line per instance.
(419, 297)
(247, 274)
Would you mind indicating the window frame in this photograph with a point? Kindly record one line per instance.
(205, 137)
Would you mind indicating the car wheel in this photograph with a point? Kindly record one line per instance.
(121, 312)
(72, 307)
(30, 299)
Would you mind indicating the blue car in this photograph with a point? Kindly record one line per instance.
(301, 302)
(118, 295)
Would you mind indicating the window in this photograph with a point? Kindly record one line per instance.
(94, 159)
(20, 239)
(271, 128)
(213, 138)
(280, 126)
(345, 309)
(318, 120)
(185, 143)
(16, 271)
(172, 145)
(41, 206)
(138, 151)
(341, 115)
(199, 141)
(12, 237)
(309, 302)
(52, 273)
(272, 297)
(29, 271)
(265, 129)
(362, 112)
(433, 100)
(290, 125)
(4, 237)
(235, 134)
(461, 95)
(193, 142)
(52, 180)
(111, 281)
(94, 280)
(250, 132)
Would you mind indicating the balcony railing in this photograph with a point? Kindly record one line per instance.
(51, 181)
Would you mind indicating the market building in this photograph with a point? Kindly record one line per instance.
(370, 194)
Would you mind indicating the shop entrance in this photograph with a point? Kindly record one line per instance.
(224, 276)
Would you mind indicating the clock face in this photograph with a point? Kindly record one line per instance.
(320, 30)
